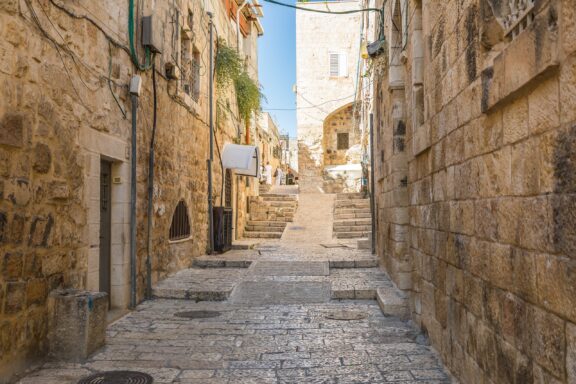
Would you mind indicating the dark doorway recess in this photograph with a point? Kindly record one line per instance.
(105, 264)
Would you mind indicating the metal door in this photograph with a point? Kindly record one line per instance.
(105, 226)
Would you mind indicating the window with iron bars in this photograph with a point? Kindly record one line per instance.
(180, 227)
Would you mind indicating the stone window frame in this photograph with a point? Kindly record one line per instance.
(188, 58)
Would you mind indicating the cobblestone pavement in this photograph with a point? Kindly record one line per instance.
(278, 321)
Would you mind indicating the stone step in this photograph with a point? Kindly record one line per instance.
(365, 243)
(366, 221)
(263, 235)
(344, 216)
(344, 196)
(393, 302)
(352, 203)
(259, 216)
(281, 224)
(266, 208)
(264, 228)
(272, 197)
(352, 235)
(353, 228)
(352, 210)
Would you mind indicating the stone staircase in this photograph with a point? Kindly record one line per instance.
(268, 215)
(352, 218)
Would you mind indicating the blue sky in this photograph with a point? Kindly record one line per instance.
(277, 63)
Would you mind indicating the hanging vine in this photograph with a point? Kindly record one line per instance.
(229, 70)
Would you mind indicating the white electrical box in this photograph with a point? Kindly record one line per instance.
(135, 85)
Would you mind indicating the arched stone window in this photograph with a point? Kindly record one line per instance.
(180, 227)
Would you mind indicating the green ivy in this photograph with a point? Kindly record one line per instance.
(230, 70)
(248, 95)
(228, 64)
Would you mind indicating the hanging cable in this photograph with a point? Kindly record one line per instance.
(110, 80)
(131, 33)
(321, 11)
(151, 161)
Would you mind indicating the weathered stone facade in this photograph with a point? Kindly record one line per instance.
(62, 64)
(326, 74)
(475, 122)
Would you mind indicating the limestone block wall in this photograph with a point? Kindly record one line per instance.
(317, 94)
(61, 64)
(487, 205)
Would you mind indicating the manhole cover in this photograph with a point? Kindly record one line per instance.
(198, 314)
(118, 377)
(346, 315)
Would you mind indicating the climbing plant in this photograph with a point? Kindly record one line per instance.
(229, 70)
(228, 64)
(248, 95)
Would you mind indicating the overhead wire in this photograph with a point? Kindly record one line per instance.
(312, 106)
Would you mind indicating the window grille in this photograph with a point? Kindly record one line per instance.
(180, 227)
(343, 141)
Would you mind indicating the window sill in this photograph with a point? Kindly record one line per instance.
(180, 241)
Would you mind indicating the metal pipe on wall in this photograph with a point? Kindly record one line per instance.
(134, 99)
(211, 118)
(372, 201)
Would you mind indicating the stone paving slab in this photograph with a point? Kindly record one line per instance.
(213, 284)
(281, 292)
(265, 344)
(290, 268)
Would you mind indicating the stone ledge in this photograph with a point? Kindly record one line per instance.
(392, 302)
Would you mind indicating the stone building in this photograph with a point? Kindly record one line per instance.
(475, 151)
(65, 152)
(269, 141)
(326, 76)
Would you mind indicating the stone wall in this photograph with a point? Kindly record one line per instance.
(476, 194)
(61, 66)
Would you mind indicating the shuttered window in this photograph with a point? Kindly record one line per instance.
(338, 64)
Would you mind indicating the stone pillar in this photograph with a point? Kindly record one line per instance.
(77, 323)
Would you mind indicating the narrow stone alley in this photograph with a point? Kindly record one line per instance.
(306, 308)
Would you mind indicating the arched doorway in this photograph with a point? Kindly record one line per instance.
(342, 151)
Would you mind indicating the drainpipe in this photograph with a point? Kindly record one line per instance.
(238, 24)
(211, 119)
(135, 86)
(372, 202)
(151, 191)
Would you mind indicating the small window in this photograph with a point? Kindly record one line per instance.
(180, 227)
(343, 141)
(338, 65)
(195, 75)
